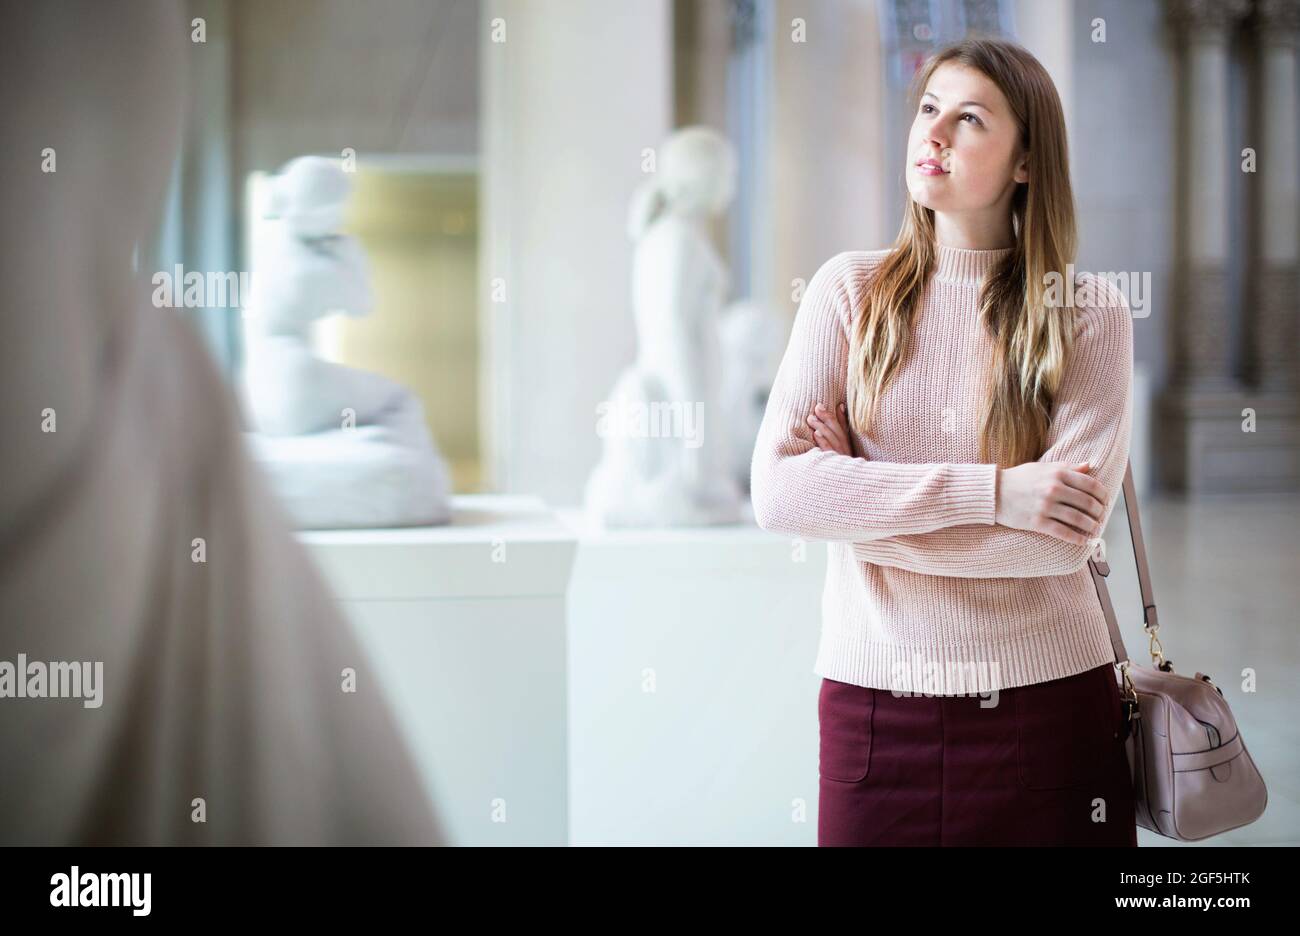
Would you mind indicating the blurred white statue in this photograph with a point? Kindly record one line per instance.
(343, 447)
(753, 339)
(664, 459)
(136, 533)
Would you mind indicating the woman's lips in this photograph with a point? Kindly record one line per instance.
(929, 169)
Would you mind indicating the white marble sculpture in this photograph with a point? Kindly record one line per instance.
(753, 339)
(343, 447)
(664, 461)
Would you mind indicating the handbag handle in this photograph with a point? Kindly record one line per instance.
(1100, 568)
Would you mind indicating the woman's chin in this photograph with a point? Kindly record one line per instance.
(927, 199)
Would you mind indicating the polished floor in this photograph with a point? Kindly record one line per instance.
(1226, 574)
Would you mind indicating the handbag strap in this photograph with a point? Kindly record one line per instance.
(1100, 568)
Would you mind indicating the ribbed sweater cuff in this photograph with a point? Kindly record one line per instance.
(974, 490)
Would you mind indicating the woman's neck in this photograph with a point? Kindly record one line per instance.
(973, 233)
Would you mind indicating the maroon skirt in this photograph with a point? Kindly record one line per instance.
(1045, 765)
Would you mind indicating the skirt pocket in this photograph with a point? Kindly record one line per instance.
(844, 716)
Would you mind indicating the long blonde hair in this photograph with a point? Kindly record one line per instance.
(1031, 339)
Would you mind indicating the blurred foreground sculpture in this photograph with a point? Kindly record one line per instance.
(343, 447)
(664, 461)
(135, 533)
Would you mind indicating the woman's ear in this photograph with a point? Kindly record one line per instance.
(1022, 169)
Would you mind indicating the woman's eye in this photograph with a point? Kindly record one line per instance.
(926, 108)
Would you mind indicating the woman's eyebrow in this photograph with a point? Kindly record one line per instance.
(963, 103)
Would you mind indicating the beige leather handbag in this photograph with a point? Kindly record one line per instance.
(1192, 774)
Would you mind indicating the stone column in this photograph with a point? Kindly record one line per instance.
(1203, 333)
(573, 94)
(1276, 25)
(1200, 440)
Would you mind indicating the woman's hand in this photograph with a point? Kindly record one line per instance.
(1055, 498)
(831, 432)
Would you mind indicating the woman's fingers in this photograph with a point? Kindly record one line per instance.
(1086, 483)
(1084, 501)
(821, 436)
(830, 428)
(832, 424)
(842, 420)
(828, 431)
(1079, 520)
(1062, 531)
(818, 438)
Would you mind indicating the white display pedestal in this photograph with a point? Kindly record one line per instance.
(692, 701)
(465, 625)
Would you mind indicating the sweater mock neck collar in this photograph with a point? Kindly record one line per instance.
(966, 266)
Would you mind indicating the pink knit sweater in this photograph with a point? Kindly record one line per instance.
(924, 592)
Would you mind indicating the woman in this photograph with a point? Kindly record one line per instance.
(953, 415)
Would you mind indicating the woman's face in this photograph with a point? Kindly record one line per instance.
(964, 124)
